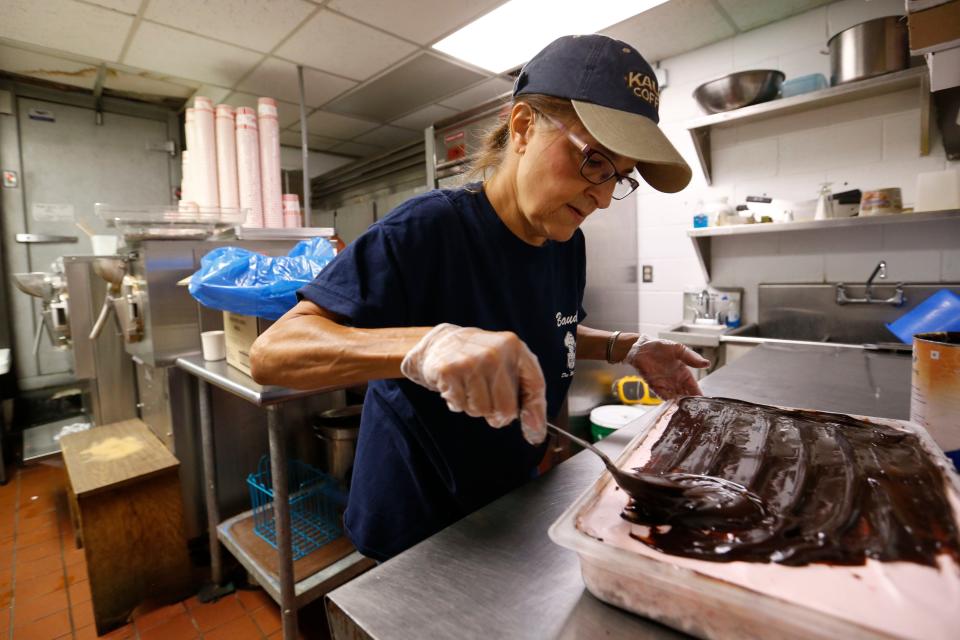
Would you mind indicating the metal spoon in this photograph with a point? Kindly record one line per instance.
(690, 497)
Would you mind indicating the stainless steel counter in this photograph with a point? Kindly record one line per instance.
(496, 574)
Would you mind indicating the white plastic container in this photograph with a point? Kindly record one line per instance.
(938, 190)
(104, 245)
(213, 345)
(227, 157)
(291, 211)
(690, 595)
(271, 189)
(203, 156)
(248, 165)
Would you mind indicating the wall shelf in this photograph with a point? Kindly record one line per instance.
(701, 238)
(916, 77)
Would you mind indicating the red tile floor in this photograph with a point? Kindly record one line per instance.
(45, 595)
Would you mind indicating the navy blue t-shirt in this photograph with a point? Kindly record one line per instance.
(445, 256)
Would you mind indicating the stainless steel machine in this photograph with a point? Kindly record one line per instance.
(99, 361)
(161, 322)
(100, 365)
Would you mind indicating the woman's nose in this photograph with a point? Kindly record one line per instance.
(602, 194)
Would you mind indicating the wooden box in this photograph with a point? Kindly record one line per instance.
(124, 492)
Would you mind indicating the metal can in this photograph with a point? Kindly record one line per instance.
(935, 389)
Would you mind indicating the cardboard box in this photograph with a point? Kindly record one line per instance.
(239, 332)
(935, 29)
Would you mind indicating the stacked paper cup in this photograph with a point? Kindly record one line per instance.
(227, 158)
(291, 210)
(203, 156)
(248, 166)
(270, 162)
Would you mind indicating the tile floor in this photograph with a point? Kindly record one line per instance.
(45, 595)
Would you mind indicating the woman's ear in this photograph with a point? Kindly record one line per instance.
(521, 126)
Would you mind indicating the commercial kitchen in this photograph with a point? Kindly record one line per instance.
(221, 290)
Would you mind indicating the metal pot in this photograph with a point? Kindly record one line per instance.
(338, 429)
(869, 49)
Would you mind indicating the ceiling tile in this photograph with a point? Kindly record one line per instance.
(216, 94)
(250, 23)
(356, 149)
(415, 83)
(388, 136)
(278, 78)
(287, 112)
(44, 67)
(337, 44)
(317, 143)
(335, 125)
(69, 26)
(423, 21)
(160, 48)
(424, 117)
(126, 6)
(477, 95)
(667, 30)
(145, 83)
(750, 14)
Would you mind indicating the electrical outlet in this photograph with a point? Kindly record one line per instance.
(648, 273)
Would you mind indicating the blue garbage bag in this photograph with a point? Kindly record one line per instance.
(243, 281)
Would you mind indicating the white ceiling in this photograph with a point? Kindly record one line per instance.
(360, 56)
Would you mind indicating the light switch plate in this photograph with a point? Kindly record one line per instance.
(648, 273)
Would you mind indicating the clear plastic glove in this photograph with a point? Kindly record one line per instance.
(486, 374)
(663, 364)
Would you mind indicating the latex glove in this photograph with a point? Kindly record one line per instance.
(663, 364)
(486, 374)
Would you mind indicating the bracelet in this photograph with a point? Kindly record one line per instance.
(611, 341)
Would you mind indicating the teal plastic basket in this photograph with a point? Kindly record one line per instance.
(316, 505)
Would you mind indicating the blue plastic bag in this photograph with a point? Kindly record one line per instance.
(243, 281)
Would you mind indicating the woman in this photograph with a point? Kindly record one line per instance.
(463, 307)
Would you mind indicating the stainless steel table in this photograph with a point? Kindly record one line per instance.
(496, 574)
(288, 594)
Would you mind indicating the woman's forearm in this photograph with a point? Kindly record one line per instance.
(307, 350)
(592, 344)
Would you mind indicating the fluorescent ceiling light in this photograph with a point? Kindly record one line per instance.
(514, 32)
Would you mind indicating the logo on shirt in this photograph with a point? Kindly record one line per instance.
(563, 320)
(570, 342)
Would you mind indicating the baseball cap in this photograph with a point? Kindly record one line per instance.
(615, 94)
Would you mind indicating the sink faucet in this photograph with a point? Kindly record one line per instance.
(881, 270)
(897, 299)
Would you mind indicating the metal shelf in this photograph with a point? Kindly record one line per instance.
(307, 589)
(915, 77)
(701, 238)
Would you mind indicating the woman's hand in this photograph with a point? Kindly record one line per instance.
(486, 374)
(663, 364)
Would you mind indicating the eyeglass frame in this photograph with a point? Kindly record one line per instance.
(588, 151)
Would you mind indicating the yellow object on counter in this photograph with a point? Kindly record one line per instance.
(634, 390)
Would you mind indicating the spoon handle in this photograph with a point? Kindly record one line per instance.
(583, 443)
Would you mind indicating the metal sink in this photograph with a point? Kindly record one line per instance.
(695, 335)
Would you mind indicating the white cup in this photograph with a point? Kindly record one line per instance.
(214, 345)
(104, 245)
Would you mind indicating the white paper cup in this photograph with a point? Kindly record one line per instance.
(105, 245)
(214, 345)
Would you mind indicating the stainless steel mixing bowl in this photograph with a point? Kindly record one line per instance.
(739, 89)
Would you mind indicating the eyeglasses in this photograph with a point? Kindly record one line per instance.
(596, 167)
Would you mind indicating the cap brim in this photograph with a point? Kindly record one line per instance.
(636, 136)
